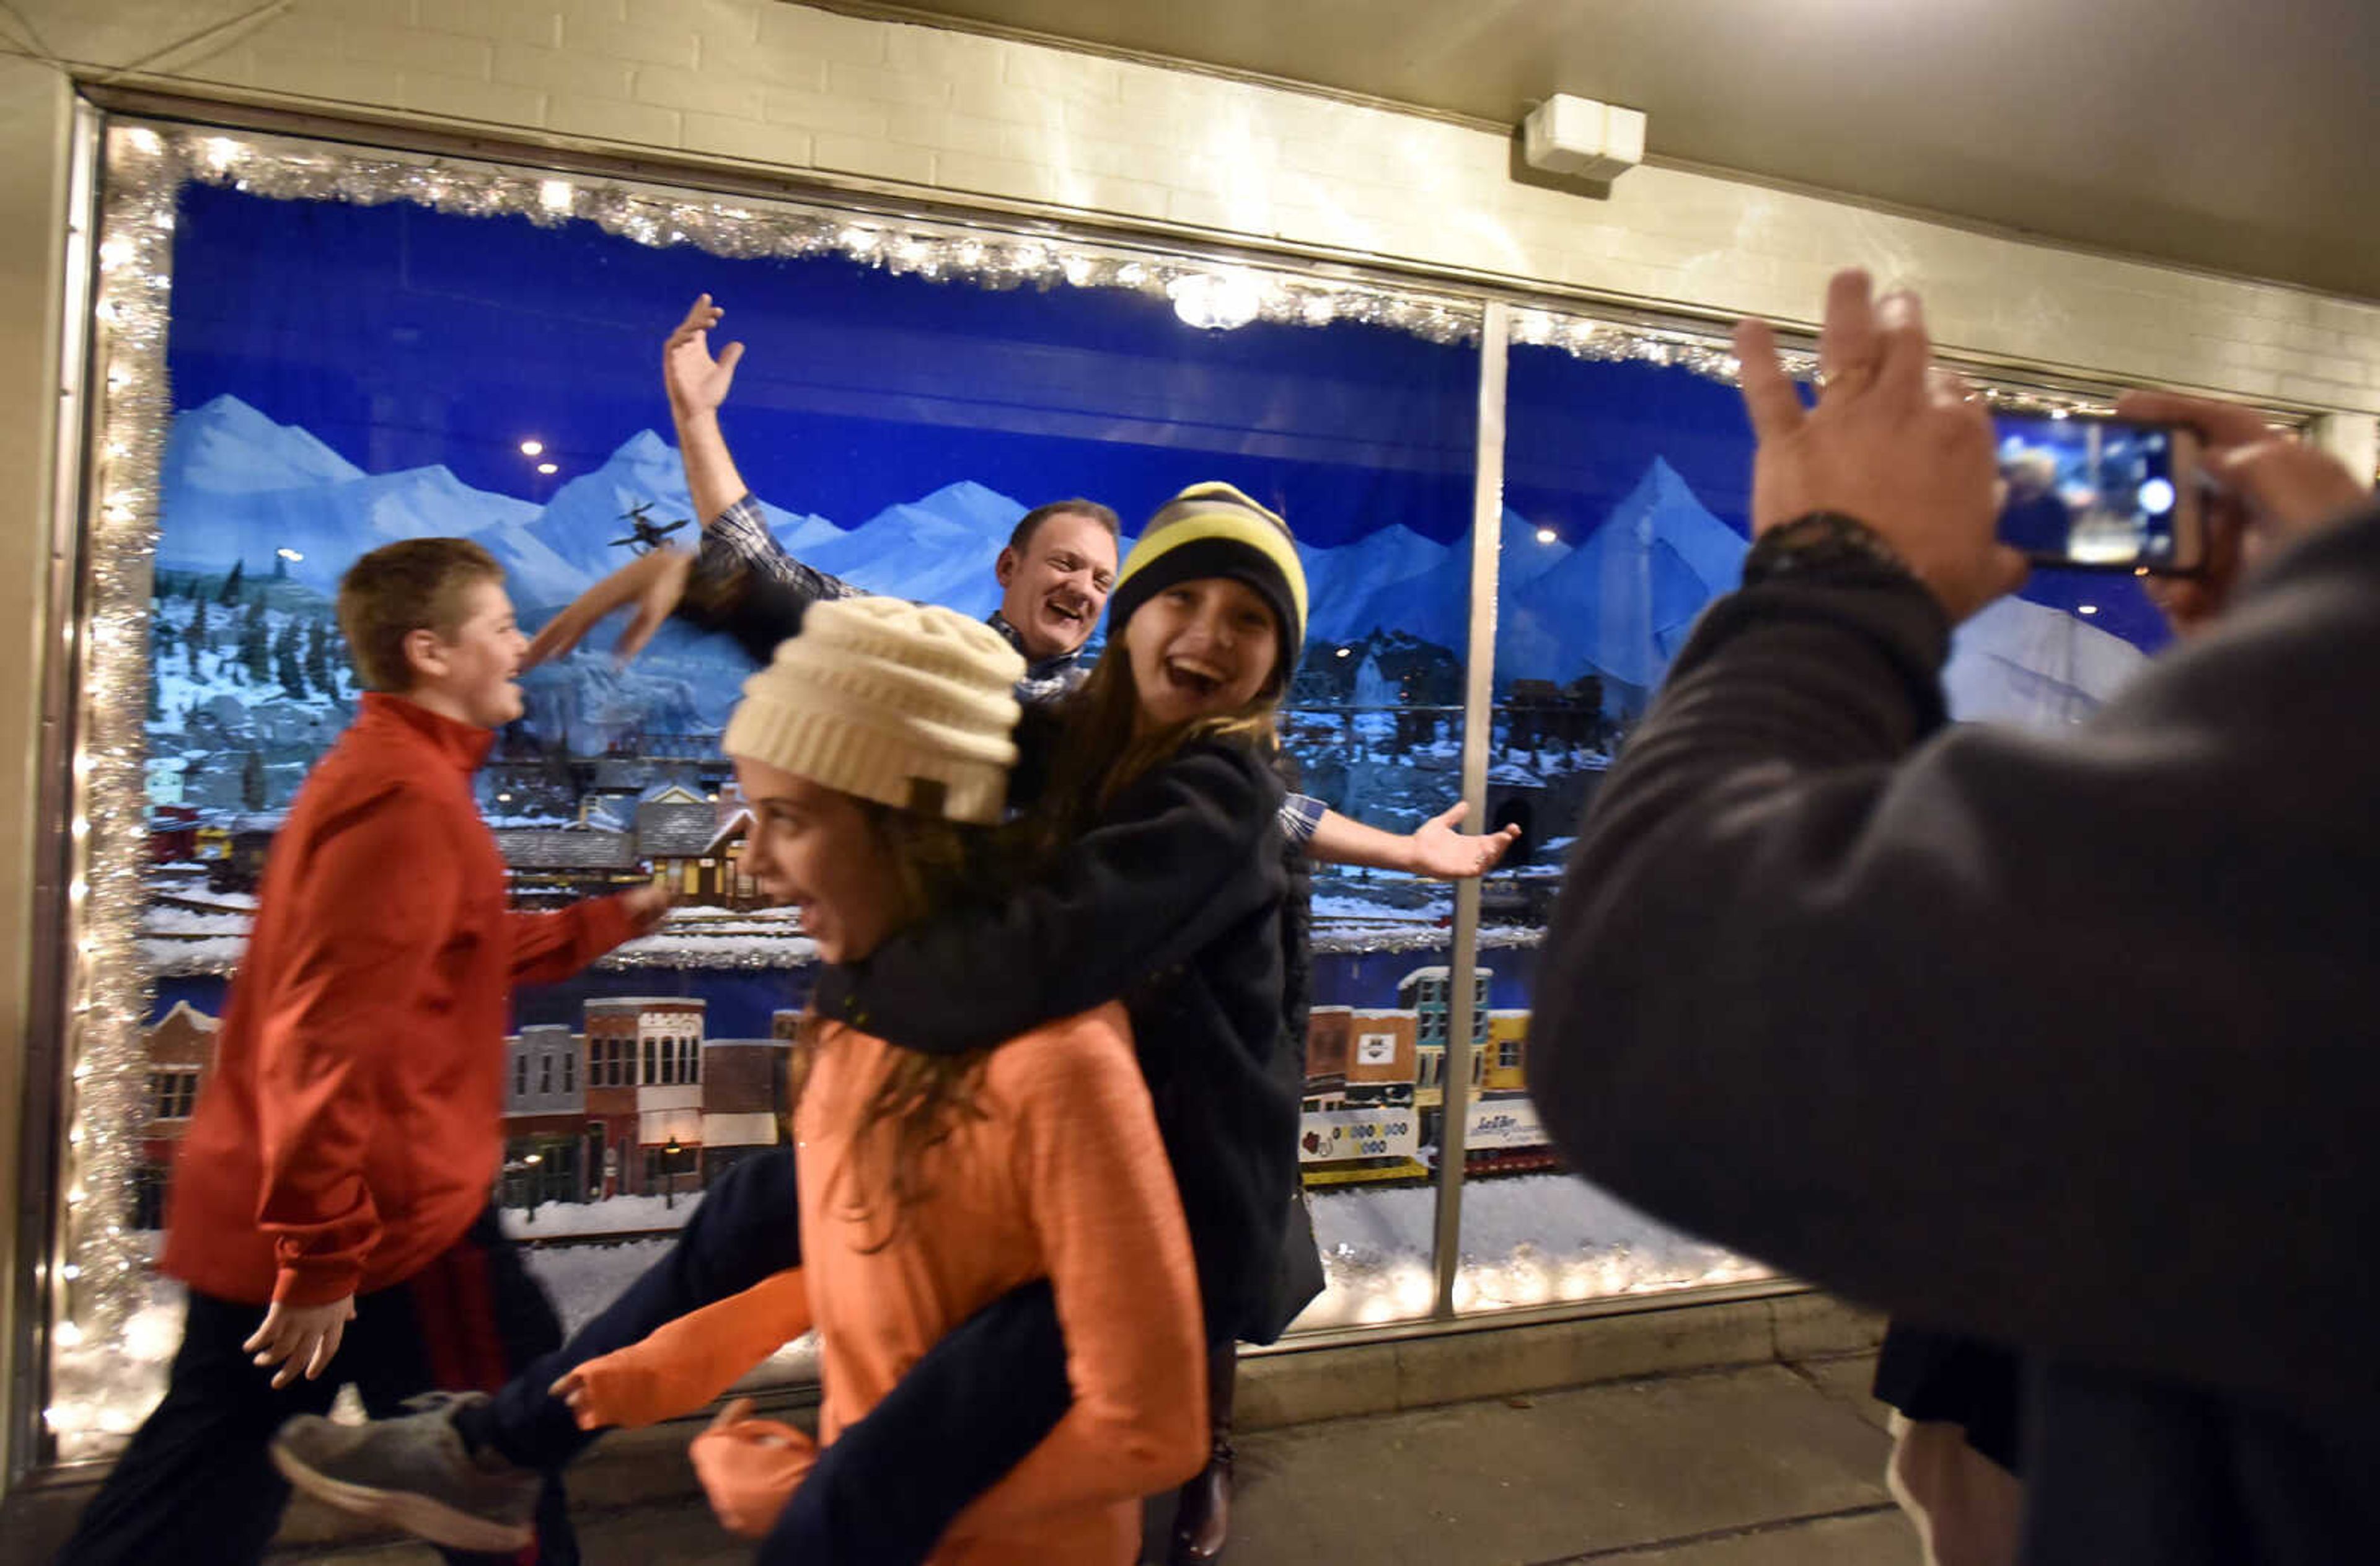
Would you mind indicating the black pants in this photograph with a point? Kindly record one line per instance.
(196, 1487)
(748, 1228)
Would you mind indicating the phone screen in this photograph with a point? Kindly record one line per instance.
(2087, 492)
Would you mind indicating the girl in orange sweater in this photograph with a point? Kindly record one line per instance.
(931, 1185)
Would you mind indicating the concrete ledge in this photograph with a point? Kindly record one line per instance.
(1293, 1386)
(1289, 1386)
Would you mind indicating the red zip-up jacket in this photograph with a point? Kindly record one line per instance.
(352, 1124)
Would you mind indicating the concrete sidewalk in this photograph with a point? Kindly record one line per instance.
(1777, 1463)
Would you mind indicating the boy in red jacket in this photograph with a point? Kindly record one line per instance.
(330, 1206)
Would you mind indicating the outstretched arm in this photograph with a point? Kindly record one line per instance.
(698, 385)
(686, 1364)
(1437, 848)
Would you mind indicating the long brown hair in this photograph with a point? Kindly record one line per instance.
(923, 1099)
(1100, 751)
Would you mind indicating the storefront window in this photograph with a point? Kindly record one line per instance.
(308, 351)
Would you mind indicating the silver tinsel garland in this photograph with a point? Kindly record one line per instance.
(107, 1376)
(1585, 337)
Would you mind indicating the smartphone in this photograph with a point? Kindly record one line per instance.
(2088, 492)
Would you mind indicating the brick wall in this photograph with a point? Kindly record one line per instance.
(764, 84)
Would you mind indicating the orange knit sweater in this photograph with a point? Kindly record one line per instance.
(1065, 1178)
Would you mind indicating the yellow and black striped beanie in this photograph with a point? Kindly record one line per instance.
(1214, 530)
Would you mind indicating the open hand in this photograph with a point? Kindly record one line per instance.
(654, 583)
(1444, 851)
(300, 1338)
(648, 906)
(2268, 489)
(1894, 442)
(698, 383)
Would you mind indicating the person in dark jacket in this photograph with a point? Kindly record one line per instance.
(2059, 1043)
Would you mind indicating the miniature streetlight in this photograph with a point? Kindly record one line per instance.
(669, 1169)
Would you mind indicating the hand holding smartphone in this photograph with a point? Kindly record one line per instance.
(2091, 492)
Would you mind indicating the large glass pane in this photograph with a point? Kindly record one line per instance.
(384, 354)
(1625, 488)
(1626, 511)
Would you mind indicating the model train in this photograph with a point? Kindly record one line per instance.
(1375, 1104)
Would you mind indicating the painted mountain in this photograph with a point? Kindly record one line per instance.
(1616, 603)
(2022, 662)
(237, 487)
(1620, 602)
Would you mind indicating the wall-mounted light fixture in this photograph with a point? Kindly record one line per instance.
(1582, 138)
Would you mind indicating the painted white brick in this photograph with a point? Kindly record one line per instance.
(1120, 159)
(853, 39)
(322, 77)
(310, 30)
(941, 128)
(1002, 177)
(1130, 198)
(1246, 214)
(557, 70)
(768, 67)
(501, 21)
(412, 49)
(925, 51)
(881, 100)
(993, 98)
(880, 86)
(736, 21)
(778, 145)
(827, 114)
(872, 159)
(710, 92)
(489, 103)
(1062, 74)
(2346, 315)
(638, 45)
(2324, 393)
(608, 120)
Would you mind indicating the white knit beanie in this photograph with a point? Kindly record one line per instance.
(907, 704)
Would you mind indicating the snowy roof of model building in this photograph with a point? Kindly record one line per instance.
(675, 831)
(565, 848)
(189, 1016)
(670, 793)
(737, 825)
(1513, 775)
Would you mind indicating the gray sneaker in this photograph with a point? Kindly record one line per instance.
(414, 1471)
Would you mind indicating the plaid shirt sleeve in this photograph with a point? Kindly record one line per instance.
(737, 543)
(1300, 814)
